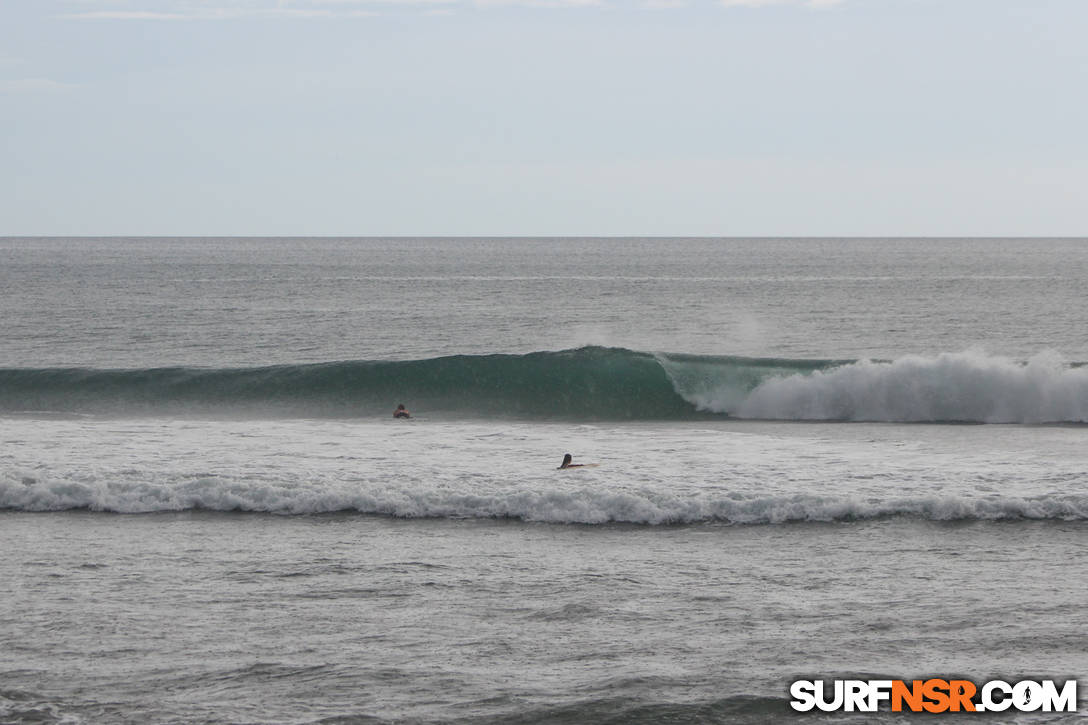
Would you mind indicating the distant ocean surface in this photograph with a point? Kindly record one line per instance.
(818, 459)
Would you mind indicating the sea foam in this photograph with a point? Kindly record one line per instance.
(951, 387)
(560, 505)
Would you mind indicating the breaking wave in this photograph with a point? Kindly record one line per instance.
(951, 387)
(590, 383)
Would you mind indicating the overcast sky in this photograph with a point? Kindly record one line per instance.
(544, 117)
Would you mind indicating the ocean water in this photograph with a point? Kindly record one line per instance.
(818, 458)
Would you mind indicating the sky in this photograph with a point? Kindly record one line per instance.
(544, 117)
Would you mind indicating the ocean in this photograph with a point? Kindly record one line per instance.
(816, 459)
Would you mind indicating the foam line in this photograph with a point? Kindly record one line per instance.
(589, 505)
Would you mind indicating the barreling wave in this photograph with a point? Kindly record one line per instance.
(590, 383)
(560, 505)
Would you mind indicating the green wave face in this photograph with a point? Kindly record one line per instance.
(591, 383)
(588, 383)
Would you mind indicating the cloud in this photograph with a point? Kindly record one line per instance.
(538, 3)
(124, 15)
(33, 85)
(234, 9)
(768, 3)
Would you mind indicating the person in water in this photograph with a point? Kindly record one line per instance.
(401, 412)
(567, 462)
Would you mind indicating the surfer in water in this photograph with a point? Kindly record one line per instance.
(567, 463)
(401, 412)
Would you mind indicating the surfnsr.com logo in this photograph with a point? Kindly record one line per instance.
(933, 695)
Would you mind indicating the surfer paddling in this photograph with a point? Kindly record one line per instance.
(401, 412)
(567, 463)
